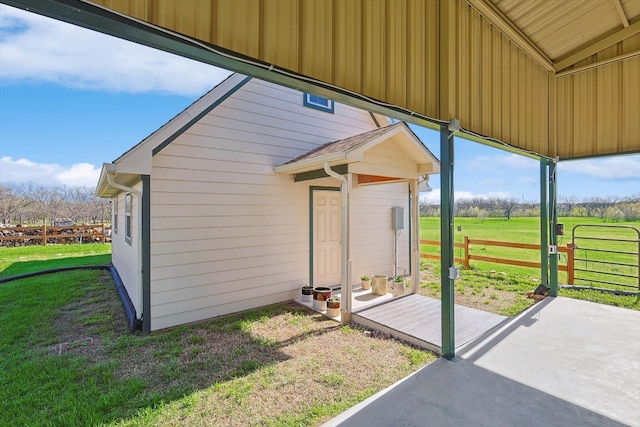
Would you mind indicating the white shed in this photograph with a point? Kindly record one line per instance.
(254, 191)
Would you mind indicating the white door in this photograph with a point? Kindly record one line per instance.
(326, 238)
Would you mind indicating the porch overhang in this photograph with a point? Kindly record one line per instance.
(388, 154)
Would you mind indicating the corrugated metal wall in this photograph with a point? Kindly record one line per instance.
(599, 108)
(502, 92)
(439, 58)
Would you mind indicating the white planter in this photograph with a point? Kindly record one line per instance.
(399, 289)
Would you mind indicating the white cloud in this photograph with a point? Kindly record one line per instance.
(611, 168)
(23, 171)
(34, 48)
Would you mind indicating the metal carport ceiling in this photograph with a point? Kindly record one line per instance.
(555, 78)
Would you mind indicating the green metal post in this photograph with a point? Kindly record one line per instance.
(553, 220)
(446, 242)
(544, 225)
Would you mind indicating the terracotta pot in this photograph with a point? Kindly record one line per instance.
(366, 284)
(320, 296)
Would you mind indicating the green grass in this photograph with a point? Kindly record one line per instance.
(527, 230)
(29, 259)
(67, 359)
(484, 276)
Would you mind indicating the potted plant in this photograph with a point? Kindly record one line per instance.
(366, 282)
(307, 293)
(333, 306)
(398, 286)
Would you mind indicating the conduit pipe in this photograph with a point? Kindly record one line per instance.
(345, 307)
(138, 193)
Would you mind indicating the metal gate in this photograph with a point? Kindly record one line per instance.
(607, 257)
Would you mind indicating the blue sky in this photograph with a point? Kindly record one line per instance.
(71, 99)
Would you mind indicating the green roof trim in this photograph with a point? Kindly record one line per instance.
(203, 113)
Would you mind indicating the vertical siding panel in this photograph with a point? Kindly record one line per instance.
(528, 99)
(316, 35)
(515, 92)
(567, 124)
(607, 109)
(348, 44)
(475, 71)
(486, 61)
(417, 74)
(373, 72)
(280, 33)
(522, 98)
(464, 68)
(506, 83)
(243, 14)
(430, 48)
(629, 93)
(396, 52)
(498, 86)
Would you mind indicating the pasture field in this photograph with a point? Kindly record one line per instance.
(527, 230)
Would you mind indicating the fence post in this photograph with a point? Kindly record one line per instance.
(570, 255)
(466, 253)
(44, 234)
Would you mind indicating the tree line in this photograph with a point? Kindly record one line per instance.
(30, 204)
(610, 208)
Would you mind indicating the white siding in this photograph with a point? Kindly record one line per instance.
(227, 233)
(372, 236)
(124, 254)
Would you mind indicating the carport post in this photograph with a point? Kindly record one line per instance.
(446, 242)
(544, 225)
(553, 220)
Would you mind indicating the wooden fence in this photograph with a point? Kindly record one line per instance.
(468, 256)
(41, 235)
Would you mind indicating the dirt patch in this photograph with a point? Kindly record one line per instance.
(278, 362)
(477, 291)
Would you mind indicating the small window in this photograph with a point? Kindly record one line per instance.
(115, 215)
(318, 102)
(127, 217)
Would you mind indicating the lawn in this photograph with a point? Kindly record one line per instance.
(67, 358)
(502, 288)
(28, 259)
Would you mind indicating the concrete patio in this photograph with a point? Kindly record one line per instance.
(563, 362)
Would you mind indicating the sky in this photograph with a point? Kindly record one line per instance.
(72, 99)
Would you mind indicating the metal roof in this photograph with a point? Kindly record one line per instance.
(555, 78)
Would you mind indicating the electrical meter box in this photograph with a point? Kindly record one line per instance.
(397, 218)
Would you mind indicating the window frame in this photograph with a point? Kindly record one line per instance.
(114, 208)
(128, 215)
(309, 102)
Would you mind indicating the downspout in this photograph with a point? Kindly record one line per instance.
(138, 194)
(415, 237)
(345, 307)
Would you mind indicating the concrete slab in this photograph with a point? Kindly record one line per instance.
(563, 362)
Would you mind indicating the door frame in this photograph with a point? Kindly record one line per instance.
(311, 222)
